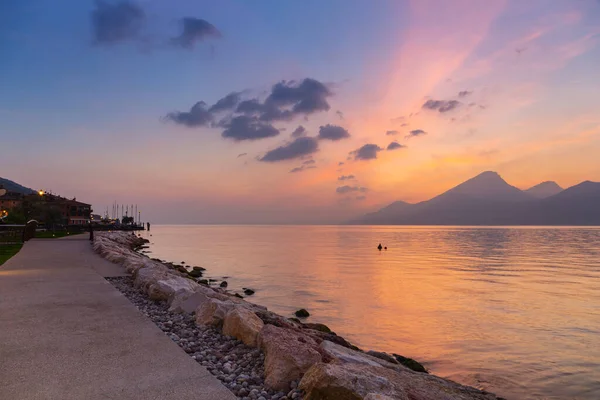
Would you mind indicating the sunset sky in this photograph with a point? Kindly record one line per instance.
(101, 100)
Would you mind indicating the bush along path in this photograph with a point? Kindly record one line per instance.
(261, 355)
(7, 251)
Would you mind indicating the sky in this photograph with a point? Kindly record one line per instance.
(304, 111)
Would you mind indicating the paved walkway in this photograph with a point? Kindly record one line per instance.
(66, 333)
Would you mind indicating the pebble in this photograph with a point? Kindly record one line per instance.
(239, 367)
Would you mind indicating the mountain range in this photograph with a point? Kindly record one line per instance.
(14, 186)
(487, 199)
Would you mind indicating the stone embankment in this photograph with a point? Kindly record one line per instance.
(259, 354)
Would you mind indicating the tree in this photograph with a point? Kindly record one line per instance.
(127, 220)
(15, 216)
(51, 216)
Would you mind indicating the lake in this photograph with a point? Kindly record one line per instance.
(515, 311)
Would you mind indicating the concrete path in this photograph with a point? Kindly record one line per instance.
(66, 333)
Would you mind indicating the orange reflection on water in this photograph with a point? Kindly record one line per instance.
(511, 310)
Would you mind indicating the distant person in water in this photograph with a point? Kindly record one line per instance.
(379, 247)
(385, 248)
(148, 225)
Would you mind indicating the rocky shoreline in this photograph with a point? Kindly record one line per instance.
(256, 353)
(239, 367)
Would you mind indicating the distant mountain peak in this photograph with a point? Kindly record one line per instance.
(487, 199)
(544, 189)
(487, 176)
(488, 185)
(490, 174)
(585, 188)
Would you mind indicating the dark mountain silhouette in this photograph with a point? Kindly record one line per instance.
(488, 200)
(577, 205)
(485, 186)
(14, 186)
(394, 210)
(544, 189)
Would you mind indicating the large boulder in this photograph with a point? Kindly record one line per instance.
(383, 356)
(374, 396)
(212, 312)
(243, 324)
(348, 382)
(187, 301)
(346, 355)
(288, 355)
(164, 289)
(319, 336)
(343, 354)
(184, 301)
(115, 256)
(270, 318)
(351, 381)
(148, 275)
(132, 264)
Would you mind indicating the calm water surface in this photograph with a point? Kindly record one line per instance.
(515, 311)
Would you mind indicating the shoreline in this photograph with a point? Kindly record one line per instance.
(299, 358)
(217, 284)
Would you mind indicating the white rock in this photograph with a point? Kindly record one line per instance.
(148, 275)
(164, 289)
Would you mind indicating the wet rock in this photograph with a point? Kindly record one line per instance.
(270, 318)
(331, 337)
(383, 356)
(317, 327)
(248, 292)
(239, 296)
(223, 284)
(302, 313)
(195, 273)
(183, 270)
(410, 363)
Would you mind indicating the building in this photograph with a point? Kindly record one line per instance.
(77, 213)
(62, 210)
(11, 200)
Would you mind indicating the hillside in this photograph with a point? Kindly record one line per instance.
(544, 189)
(487, 199)
(12, 186)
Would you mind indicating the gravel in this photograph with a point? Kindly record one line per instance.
(239, 367)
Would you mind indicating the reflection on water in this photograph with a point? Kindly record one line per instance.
(512, 310)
